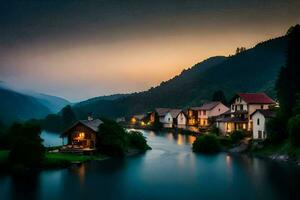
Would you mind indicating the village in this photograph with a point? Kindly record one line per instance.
(248, 112)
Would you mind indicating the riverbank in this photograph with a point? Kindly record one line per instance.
(191, 131)
(58, 160)
(54, 160)
(284, 152)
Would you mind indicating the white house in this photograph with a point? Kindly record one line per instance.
(259, 119)
(179, 118)
(242, 106)
(165, 117)
(171, 117)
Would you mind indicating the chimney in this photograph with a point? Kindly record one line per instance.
(90, 117)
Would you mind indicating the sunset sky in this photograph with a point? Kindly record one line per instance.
(82, 49)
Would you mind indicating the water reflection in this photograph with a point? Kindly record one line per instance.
(25, 186)
(80, 171)
(191, 139)
(169, 171)
(180, 139)
(228, 161)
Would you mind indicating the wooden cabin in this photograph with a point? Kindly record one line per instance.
(82, 135)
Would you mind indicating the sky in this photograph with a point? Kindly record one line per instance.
(82, 49)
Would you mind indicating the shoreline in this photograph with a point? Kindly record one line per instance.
(274, 156)
(60, 163)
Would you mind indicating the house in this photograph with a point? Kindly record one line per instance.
(82, 135)
(259, 119)
(165, 117)
(242, 106)
(170, 117)
(204, 115)
(137, 119)
(120, 120)
(179, 118)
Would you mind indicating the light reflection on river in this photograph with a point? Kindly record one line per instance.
(169, 171)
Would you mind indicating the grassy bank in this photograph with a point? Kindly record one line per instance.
(56, 160)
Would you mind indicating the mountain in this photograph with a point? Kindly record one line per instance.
(253, 70)
(53, 103)
(105, 98)
(16, 106)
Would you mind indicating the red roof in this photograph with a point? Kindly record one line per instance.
(253, 98)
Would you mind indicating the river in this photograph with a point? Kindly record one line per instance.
(169, 171)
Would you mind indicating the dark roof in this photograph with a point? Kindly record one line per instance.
(266, 113)
(207, 106)
(237, 112)
(175, 112)
(92, 124)
(162, 111)
(231, 119)
(139, 117)
(255, 98)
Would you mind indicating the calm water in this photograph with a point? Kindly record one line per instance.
(169, 171)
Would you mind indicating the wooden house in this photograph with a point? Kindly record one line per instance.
(82, 135)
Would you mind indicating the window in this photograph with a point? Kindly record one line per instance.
(169, 119)
(235, 107)
(232, 107)
(241, 107)
(262, 107)
(258, 121)
(219, 109)
(259, 134)
(204, 112)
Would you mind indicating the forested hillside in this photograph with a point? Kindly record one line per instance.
(252, 70)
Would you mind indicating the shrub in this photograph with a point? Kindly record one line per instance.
(276, 129)
(215, 130)
(26, 149)
(294, 130)
(137, 140)
(237, 136)
(206, 144)
(112, 138)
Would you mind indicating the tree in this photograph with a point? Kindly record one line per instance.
(206, 144)
(137, 140)
(68, 116)
(219, 96)
(294, 130)
(157, 125)
(54, 122)
(288, 82)
(26, 145)
(288, 89)
(112, 138)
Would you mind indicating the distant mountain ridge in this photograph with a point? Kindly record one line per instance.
(16, 106)
(22, 106)
(105, 98)
(253, 70)
(53, 103)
